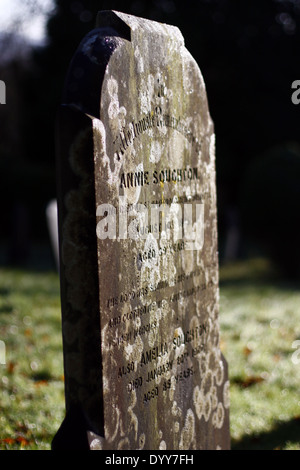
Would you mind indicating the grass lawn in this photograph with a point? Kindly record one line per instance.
(31, 381)
(260, 324)
(260, 333)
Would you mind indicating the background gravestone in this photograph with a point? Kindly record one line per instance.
(2, 92)
(143, 367)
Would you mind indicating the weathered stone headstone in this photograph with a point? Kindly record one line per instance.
(2, 352)
(138, 236)
(2, 92)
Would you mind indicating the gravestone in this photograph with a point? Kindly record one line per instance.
(2, 92)
(2, 352)
(138, 245)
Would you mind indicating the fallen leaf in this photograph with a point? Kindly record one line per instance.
(20, 439)
(276, 357)
(8, 440)
(10, 367)
(41, 382)
(24, 442)
(247, 351)
(249, 381)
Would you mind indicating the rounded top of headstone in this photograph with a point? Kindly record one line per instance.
(136, 25)
(87, 68)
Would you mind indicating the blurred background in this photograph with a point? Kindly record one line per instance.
(248, 53)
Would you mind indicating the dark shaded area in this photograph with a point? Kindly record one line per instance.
(87, 74)
(257, 278)
(248, 54)
(72, 434)
(273, 178)
(274, 439)
(80, 250)
(42, 375)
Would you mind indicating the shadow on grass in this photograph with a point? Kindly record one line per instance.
(6, 308)
(275, 439)
(257, 272)
(28, 282)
